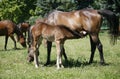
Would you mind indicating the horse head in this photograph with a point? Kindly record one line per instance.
(31, 51)
(20, 37)
(22, 41)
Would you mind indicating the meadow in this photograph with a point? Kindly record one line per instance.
(13, 64)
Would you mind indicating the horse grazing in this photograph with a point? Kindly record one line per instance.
(23, 27)
(8, 28)
(58, 34)
(88, 20)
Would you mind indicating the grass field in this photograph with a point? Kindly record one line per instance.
(13, 64)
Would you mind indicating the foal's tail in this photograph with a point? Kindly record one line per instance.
(113, 23)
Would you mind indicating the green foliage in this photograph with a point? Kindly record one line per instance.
(10, 10)
(15, 10)
(24, 10)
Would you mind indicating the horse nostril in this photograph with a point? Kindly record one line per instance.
(30, 59)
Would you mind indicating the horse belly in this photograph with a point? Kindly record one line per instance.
(3, 32)
(49, 38)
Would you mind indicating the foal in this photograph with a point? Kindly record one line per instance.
(51, 33)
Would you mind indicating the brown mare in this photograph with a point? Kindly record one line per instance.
(8, 28)
(58, 34)
(87, 20)
(23, 27)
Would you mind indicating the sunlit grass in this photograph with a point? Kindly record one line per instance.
(13, 64)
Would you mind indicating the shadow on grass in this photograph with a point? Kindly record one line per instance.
(77, 63)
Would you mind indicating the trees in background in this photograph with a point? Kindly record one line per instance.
(29, 10)
(16, 10)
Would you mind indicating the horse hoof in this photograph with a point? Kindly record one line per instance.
(89, 62)
(103, 63)
(46, 64)
(36, 66)
(62, 66)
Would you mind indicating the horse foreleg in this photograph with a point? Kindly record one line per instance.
(64, 54)
(35, 57)
(12, 37)
(49, 45)
(6, 40)
(35, 51)
(100, 48)
(93, 48)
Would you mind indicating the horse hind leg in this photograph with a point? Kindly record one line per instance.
(6, 40)
(95, 42)
(12, 37)
(93, 48)
(100, 48)
(64, 54)
(49, 45)
(59, 47)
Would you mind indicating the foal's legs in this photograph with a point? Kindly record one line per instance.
(35, 47)
(49, 45)
(12, 37)
(94, 40)
(59, 47)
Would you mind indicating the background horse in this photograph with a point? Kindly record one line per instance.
(8, 28)
(51, 33)
(87, 20)
(23, 27)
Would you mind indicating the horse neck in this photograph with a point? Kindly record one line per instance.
(17, 31)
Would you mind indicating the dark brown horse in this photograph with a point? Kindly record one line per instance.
(23, 27)
(58, 34)
(8, 28)
(88, 21)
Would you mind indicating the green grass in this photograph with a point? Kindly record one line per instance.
(13, 64)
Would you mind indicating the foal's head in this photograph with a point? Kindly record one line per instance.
(30, 57)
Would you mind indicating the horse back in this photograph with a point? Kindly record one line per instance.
(81, 20)
(6, 27)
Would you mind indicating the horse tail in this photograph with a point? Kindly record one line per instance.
(113, 21)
